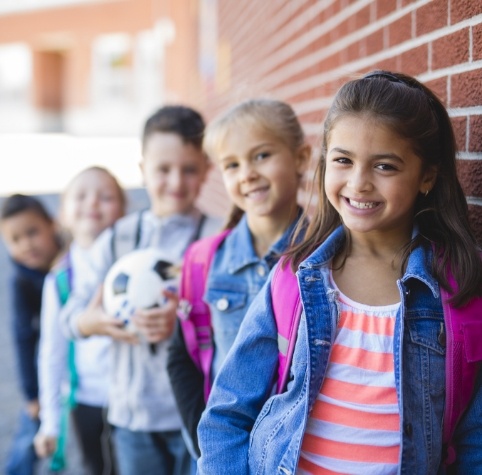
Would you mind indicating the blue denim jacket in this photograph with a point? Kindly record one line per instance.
(248, 430)
(236, 276)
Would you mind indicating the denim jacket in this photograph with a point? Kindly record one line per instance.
(236, 276)
(247, 429)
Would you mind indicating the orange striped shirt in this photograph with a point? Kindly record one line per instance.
(354, 425)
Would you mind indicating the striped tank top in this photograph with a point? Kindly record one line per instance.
(354, 425)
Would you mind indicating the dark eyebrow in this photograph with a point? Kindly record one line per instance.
(341, 150)
(391, 156)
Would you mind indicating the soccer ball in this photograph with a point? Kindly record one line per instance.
(135, 281)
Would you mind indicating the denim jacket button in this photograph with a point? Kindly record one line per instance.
(408, 429)
(261, 271)
(222, 304)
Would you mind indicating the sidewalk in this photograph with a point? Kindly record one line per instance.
(10, 397)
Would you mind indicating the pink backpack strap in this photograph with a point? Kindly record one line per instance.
(287, 308)
(463, 360)
(193, 312)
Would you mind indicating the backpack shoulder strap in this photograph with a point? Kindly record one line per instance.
(126, 234)
(287, 309)
(193, 312)
(63, 281)
(463, 361)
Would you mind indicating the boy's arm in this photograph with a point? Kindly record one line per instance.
(187, 384)
(26, 336)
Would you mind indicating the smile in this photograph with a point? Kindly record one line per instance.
(256, 193)
(363, 204)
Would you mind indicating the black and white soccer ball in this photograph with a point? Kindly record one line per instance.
(136, 281)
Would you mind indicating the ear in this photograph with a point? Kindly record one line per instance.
(303, 158)
(428, 180)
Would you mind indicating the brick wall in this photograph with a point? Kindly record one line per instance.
(301, 51)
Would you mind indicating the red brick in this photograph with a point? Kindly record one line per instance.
(385, 7)
(466, 89)
(360, 20)
(340, 31)
(439, 88)
(470, 176)
(477, 42)
(328, 13)
(459, 125)
(475, 139)
(475, 216)
(390, 64)
(431, 17)
(415, 61)
(351, 53)
(400, 30)
(451, 49)
(374, 42)
(463, 9)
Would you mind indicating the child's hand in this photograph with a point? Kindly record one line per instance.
(33, 408)
(94, 321)
(44, 445)
(157, 324)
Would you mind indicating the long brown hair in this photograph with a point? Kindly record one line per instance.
(414, 112)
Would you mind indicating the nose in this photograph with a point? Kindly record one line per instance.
(26, 244)
(359, 180)
(248, 172)
(93, 199)
(175, 179)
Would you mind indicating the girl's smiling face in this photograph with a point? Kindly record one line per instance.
(92, 203)
(373, 177)
(261, 173)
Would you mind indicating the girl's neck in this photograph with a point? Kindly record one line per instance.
(268, 230)
(369, 271)
(378, 245)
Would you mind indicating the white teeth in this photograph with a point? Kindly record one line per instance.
(255, 193)
(362, 205)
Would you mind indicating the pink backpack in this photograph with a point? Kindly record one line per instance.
(193, 312)
(195, 317)
(463, 331)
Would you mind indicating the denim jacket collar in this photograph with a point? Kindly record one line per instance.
(240, 238)
(417, 267)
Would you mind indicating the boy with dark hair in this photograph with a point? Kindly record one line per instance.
(30, 236)
(141, 405)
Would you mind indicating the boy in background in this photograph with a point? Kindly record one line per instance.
(141, 405)
(31, 239)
